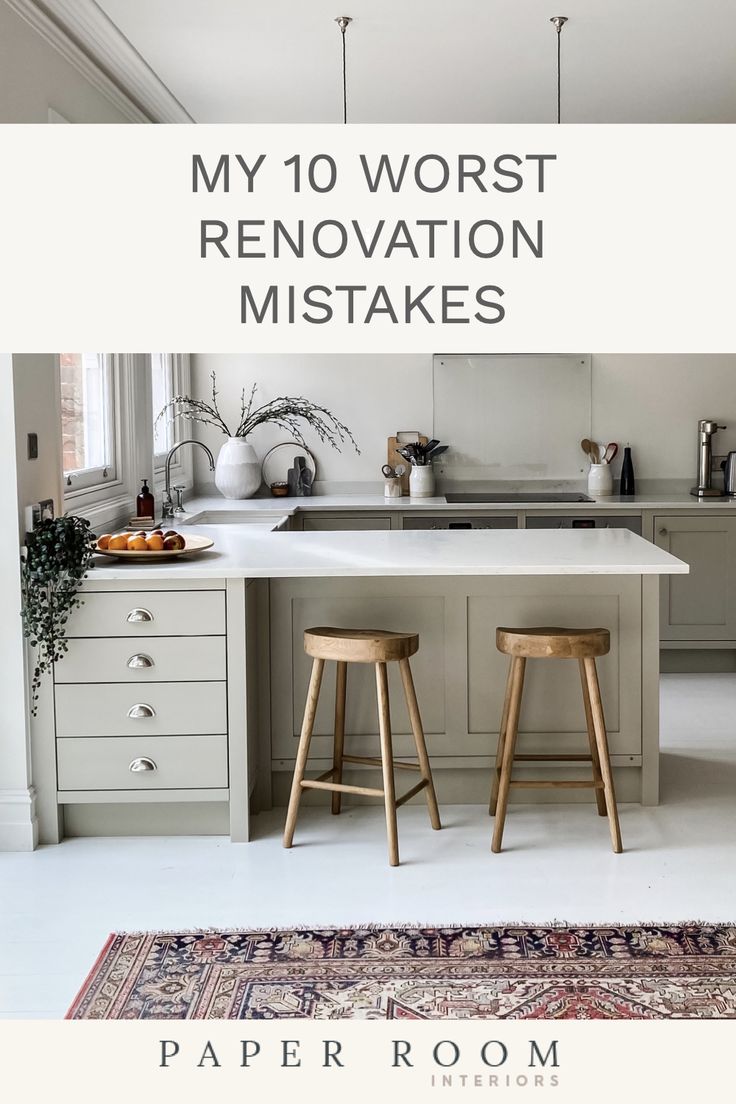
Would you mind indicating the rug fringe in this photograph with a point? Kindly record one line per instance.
(376, 925)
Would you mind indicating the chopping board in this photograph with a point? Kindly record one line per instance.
(403, 437)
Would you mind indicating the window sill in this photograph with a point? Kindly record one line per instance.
(105, 515)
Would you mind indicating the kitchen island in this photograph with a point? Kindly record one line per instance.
(210, 715)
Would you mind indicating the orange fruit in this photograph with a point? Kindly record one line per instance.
(118, 543)
(137, 544)
(155, 542)
(104, 540)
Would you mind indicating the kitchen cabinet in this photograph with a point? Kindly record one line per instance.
(459, 674)
(155, 701)
(699, 607)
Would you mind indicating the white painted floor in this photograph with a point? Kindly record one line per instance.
(58, 905)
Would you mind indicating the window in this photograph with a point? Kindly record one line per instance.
(163, 388)
(88, 420)
(109, 404)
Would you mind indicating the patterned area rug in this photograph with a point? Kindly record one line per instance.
(416, 973)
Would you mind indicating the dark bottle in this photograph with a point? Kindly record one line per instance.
(628, 483)
(144, 507)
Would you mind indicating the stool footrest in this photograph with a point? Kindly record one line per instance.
(553, 783)
(374, 761)
(410, 793)
(339, 787)
(321, 783)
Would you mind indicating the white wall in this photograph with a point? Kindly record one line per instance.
(653, 402)
(373, 395)
(18, 827)
(35, 77)
(37, 410)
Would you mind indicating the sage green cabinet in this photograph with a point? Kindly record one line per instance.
(700, 606)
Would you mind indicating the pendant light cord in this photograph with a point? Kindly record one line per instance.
(559, 22)
(559, 76)
(344, 81)
(342, 22)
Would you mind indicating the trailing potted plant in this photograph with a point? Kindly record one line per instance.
(238, 470)
(56, 558)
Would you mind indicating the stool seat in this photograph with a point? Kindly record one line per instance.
(553, 643)
(360, 645)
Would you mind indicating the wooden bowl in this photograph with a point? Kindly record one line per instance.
(193, 545)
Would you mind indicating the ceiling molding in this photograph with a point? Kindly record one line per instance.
(91, 42)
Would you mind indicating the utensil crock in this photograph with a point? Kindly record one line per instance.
(600, 480)
(421, 481)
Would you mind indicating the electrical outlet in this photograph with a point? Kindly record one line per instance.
(38, 512)
(33, 446)
(717, 461)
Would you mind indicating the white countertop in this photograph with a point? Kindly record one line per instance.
(362, 501)
(251, 551)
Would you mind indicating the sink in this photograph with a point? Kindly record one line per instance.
(227, 517)
(517, 496)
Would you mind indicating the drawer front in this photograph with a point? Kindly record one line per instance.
(160, 659)
(150, 613)
(163, 709)
(181, 762)
(346, 524)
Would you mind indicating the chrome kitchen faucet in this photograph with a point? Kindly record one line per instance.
(168, 509)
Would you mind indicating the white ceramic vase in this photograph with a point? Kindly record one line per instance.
(238, 471)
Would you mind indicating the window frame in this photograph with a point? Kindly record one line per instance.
(181, 465)
(87, 485)
(112, 502)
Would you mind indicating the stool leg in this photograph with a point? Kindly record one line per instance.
(599, 725)
(501, 741)
(302, 755)
(416, 726)
(600, 798)
(339, 744)
(387, 759)
(512, 727)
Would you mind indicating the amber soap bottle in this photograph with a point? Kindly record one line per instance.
(144, 506)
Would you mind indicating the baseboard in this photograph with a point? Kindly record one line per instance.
(697, 661)
(18, 821)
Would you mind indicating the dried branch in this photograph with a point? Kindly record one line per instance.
(288, 412)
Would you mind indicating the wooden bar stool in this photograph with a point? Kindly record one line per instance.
(552, 643)
(362, 646)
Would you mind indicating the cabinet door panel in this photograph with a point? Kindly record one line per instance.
(701, 605)
(422, 614)
(552, 715)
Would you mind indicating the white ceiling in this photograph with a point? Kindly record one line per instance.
(440, 60)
